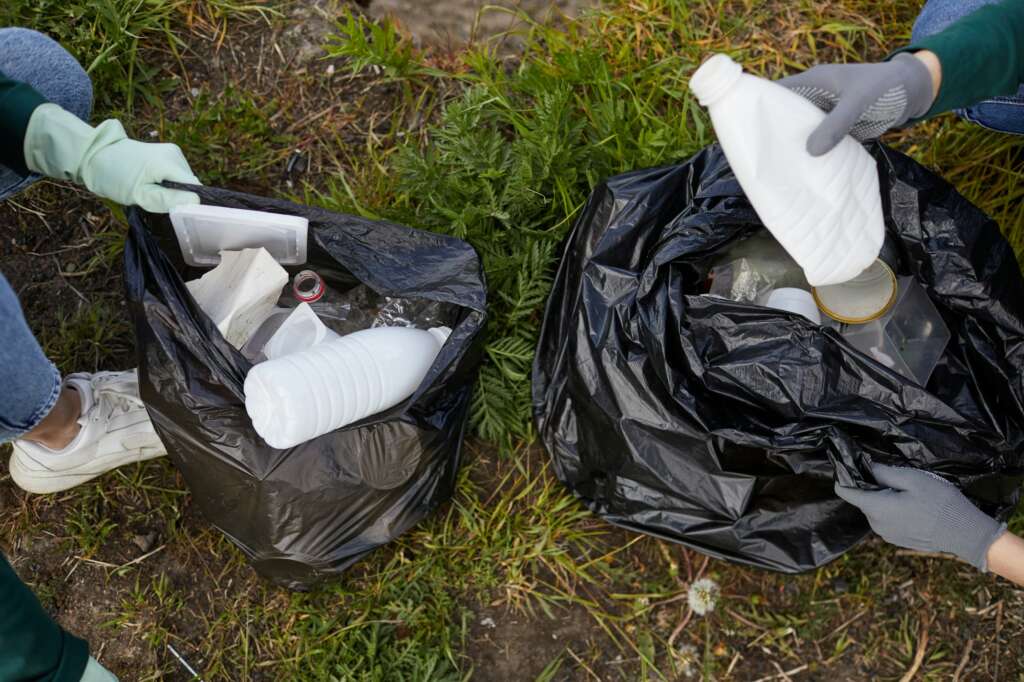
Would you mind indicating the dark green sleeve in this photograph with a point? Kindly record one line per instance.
(32, 646)
(982, 56)
(17, 102)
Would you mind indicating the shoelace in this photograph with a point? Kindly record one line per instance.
(118, 391)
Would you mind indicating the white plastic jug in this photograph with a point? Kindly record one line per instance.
(303, 395)
(240, 292)
(826, 211)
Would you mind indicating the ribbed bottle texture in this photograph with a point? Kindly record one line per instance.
(303, 395)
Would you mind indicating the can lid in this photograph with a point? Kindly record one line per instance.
(864, 298)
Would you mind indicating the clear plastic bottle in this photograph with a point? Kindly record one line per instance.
(826, 210)
(334, 309)
(300, 396)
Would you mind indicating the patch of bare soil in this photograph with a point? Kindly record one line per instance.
(453, 23)
(508, 647)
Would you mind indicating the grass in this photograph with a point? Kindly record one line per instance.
(503, 154)
(110, 38)
(510, 161)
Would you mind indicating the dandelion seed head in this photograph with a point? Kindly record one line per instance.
(703, 596)
(688, 660)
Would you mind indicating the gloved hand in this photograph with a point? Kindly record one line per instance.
(60, 145)
(863, 100)
(922, 511)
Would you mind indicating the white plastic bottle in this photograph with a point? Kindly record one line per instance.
(300, 396)
(826, 211)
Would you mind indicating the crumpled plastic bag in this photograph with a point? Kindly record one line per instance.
(305, 514)
(723, 425)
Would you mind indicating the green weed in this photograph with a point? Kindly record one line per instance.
(228, 137)
(87, 337)
(509, 162)
(107, 36)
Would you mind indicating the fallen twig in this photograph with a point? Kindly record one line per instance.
(783, 674)
(844, 626)
(922, 647)
(963, 661)
(134, 561)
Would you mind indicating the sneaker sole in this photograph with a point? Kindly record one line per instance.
(46, 482)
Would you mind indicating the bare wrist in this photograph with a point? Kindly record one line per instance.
(931, 61)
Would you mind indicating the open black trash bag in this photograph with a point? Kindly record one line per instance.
(303, 514)
(721, 425)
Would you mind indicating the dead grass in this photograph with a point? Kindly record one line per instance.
(481, 588)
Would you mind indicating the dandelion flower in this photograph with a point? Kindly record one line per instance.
(689, 661)
(703, 596)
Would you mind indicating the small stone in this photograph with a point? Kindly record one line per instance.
(330, 69)
(194, 92)
(488, 622)
(145, 542)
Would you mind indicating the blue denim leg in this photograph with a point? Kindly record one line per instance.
(1005, 114)
(31, 57)
(30, 382)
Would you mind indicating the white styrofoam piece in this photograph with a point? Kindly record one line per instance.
(204, 231)
(240, 292)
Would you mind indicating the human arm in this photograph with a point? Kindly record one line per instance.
(922, 511)
(979, 56)
(41, 137)
(17, 102)
(32, 645)
(1006, 557)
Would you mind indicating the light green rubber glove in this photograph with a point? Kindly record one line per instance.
(94, 672)
(60, 145)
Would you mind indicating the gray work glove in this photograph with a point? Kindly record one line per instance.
(863, 100)
(925, 512)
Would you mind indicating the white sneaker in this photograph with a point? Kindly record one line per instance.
(115, 430)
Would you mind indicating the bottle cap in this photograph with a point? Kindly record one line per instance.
(714, 78)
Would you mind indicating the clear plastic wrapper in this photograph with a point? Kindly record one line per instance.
(749, 271)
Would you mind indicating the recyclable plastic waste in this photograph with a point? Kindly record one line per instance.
(826, 211)
(724, 425)
(204, 232)
(304, 514)
(298, 396)
(753, 268)
(797, 301)
(337, 310)
(240, 292)
(300, 330)
(910, 338)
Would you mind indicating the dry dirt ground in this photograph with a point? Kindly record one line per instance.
(454, 22)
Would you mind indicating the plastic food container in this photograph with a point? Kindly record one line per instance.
(204, 231)
(910, 338)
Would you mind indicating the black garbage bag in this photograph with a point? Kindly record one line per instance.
(722, 425)
(308, 512)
